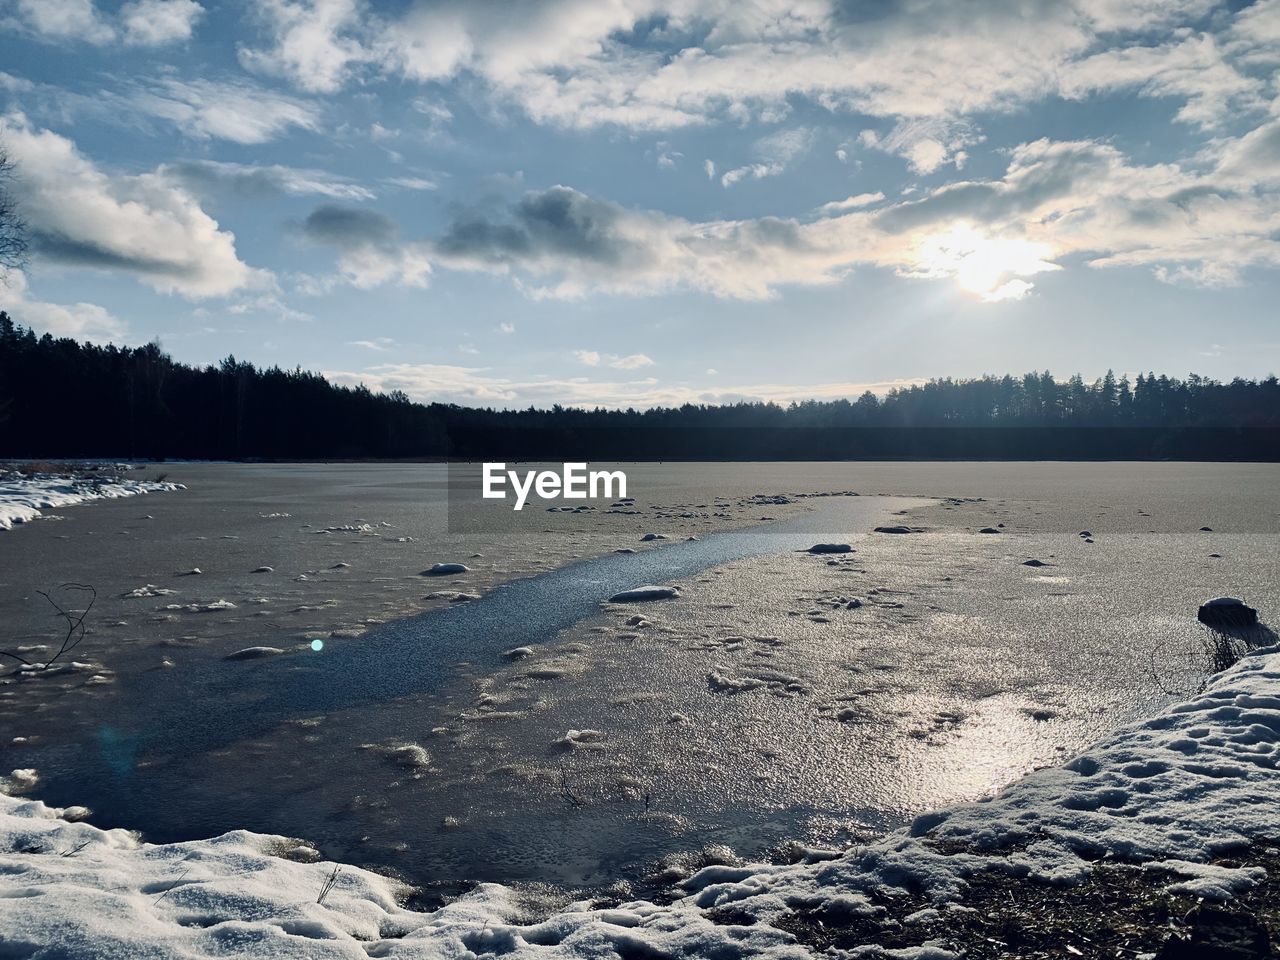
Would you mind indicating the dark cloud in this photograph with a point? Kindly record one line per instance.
(557, 223)
(87, 253)
(350, 228)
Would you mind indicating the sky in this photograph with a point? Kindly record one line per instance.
(639, 202)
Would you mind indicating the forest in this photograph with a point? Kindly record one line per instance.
(60, 398)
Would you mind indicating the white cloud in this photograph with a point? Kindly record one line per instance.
(506, 328)
(83, 321)
(378, 344)
(630, 362)
(153, 23)
(235, 111)
(1194, 70)
(142, 225)
(665, 156)
(413, 183)
(310, 42)
(271, 304)
(143, 23)
(775, 152)
(65, 20)
(925, 144)
(592, 358)
(855, 202)
(927, 65)
(478, 385)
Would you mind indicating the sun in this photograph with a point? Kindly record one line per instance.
(989, 268)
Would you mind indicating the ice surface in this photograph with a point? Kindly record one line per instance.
(1169, 794)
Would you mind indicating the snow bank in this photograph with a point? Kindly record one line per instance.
(22, 498)
(1171, 794)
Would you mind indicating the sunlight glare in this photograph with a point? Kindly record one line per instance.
(989, 268)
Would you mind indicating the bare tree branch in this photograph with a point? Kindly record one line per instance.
(13, 229)
(74, 620)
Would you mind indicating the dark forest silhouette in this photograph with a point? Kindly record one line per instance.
(62, 398)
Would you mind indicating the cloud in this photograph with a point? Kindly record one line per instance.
(925, 144)
(379, 344)
(506, 328)
(775, 152)
(272, 304)
(310, 43)
(142, 23)
(153, 23)
(1253, 158)
(1194, 70)
(479, 386)
(413, 183)
(1204, 223)
(666, 157)
(854, 202)
(582, 245)
(1087, 198)
(83, 321)
(65, 20)
(246, 180)
(142, 225)
(664, 64)
(546, 227)
(630, 362)
(371, 251)
(235, 111)
(592, 358)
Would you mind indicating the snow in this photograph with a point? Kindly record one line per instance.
(23, 497)
(1167, 795)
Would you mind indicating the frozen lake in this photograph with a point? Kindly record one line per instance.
(752, 710)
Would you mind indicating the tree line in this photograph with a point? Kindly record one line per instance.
(63, 398)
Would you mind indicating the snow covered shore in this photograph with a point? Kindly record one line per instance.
(23, 497)
(1167, 796)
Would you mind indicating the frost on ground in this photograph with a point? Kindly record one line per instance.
(1166, 800)
(23, 496)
